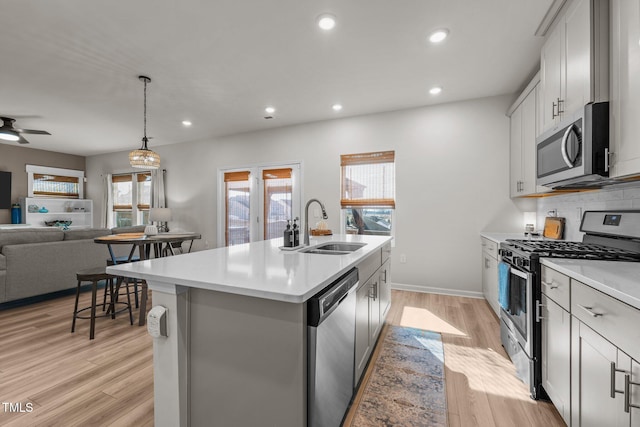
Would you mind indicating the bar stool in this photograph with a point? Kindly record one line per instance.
(122, 260)
(94, 275)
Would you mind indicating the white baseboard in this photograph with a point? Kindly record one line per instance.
(442, 291)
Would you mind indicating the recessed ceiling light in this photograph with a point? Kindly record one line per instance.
(186, 123)
(438, 35)
(269, 110)
(435, 90)
(336, 107)
(326, 21)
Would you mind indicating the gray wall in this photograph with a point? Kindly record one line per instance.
(452, 179)
(14, 158)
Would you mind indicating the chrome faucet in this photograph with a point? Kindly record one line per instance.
(307, 227)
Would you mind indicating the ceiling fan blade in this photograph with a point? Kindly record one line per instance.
(32, 131)
(22, 140)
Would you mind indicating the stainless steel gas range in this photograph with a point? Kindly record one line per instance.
(609, 235)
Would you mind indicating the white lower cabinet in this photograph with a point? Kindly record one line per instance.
(597, 367)
(604, 344)
(556, 356)
(490, 273)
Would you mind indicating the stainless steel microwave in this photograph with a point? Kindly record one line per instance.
(576, 154)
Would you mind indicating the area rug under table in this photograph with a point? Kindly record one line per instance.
(406, 387)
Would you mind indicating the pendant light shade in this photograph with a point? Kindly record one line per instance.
(144, 158)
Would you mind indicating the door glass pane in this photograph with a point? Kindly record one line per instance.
(237, 217)
(277, 201)
(518, 303)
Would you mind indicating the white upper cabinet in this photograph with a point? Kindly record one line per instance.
(522, 143)
(574, 65)
(625, 87)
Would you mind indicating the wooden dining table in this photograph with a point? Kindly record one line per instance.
(162, 243)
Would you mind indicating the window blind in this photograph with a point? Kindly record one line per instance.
(368, 179)
(46, 185)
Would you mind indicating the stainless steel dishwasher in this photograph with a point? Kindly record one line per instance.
(331, 351)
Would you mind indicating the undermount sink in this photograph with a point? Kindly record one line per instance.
(333, 248)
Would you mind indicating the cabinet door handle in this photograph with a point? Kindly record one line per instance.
(559, 102)
(549, 285)
(539, 316)
(590, 311)
(627, 393)
(553, 110)
(385, 276)
(613, 380)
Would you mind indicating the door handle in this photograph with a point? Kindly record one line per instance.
(559, 102)
(539, 316)
(550, 285)
(563, 147)
(613, 390)
(627, 393)
(607, 153)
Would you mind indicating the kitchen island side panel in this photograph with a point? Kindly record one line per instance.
(248, 361)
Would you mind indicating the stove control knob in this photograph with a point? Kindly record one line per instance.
(525, 262)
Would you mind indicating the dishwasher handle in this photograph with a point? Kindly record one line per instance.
(326, 301)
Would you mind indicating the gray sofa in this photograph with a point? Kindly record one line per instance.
(37, 261)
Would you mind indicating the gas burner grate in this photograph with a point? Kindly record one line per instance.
(575, 250)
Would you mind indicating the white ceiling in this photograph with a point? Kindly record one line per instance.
(71, 66)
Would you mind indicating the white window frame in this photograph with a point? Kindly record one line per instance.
(135, 212)
(256, 197)
(33, 169)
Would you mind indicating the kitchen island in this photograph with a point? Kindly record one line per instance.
(236, 346)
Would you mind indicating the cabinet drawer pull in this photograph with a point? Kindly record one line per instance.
(550, 285)
(627, 393)
(590, 311)
(613, 380)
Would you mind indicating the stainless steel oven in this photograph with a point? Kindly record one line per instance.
(576, 154)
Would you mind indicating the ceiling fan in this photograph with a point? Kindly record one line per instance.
(9, 133)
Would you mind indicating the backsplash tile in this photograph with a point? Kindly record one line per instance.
(570, 206)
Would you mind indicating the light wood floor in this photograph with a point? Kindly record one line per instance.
(71, 380)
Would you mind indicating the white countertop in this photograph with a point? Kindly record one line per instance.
(257, 269)
(501, 237)
(620, 280)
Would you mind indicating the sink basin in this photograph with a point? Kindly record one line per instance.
(333, 248)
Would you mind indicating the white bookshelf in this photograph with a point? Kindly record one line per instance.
(78, 211)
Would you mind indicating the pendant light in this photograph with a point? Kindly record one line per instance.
(143, 157)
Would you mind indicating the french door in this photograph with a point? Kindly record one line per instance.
(256, 202)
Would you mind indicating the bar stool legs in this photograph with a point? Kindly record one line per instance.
(94, 276)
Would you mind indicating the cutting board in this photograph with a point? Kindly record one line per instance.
(553, 227)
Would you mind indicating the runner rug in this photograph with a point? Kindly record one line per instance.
(406, 387)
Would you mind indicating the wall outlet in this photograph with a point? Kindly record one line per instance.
(403, 259)
(206, 244)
